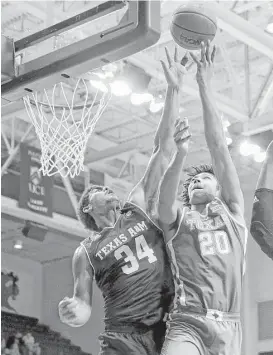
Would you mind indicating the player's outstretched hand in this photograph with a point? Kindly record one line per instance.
(182, 136)
(74, 312)
(205, 63)
(174, 70)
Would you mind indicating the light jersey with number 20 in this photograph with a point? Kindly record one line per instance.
(131, 268)
(207, 258)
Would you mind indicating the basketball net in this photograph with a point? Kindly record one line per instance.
(64, 130)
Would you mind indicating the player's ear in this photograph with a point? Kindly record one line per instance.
(87, 209)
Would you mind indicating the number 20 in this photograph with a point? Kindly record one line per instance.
(215, 242)
(142, 251)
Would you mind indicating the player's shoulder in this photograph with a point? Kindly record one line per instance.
(80, 254)
(234, 212)
(83, 254)
(89, 243)
(131, 209)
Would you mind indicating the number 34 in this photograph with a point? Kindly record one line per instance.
(142, 250)
(215, 242)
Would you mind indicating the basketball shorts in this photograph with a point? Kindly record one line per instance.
(210, 336)
(132, 341)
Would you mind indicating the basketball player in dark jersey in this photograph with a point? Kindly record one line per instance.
(126, 252)
(262, 214)
(206, 239)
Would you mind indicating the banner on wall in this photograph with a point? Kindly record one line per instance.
(9, 291)
(120, 187)
(35, 188)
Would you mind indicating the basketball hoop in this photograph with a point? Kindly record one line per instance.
(64, 130)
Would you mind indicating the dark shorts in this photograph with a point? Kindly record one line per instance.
(209, 336)
(133, 342)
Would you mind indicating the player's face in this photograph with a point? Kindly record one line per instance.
(103, 199)
(203, 188)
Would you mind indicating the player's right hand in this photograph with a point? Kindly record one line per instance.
(204, 72)
(182, 135)
(174, 70)
(74, 312)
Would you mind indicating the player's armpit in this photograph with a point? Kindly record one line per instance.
(170, 223)
(262, 220)
(145, 193)
(83, 276)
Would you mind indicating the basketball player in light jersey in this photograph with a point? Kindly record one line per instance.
(206, 239)
(262, 213)
(126, 252)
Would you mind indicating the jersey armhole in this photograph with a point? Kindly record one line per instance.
(230, 214)
(179, 220)
(88, 257)
(236, 222)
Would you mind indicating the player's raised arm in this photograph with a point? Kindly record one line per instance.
(223, 166)
(145, 192)
(76, 311)
(167, 203)
(262, 214)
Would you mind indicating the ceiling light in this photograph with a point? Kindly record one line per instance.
(147, 97)
(120, 88)
(269, 27)
(111, 67)
(138, 99)
(228, 140)
(260, 157)
(244, 149)
(247, 148)
(226, 124)
(108, 74)
(99, 74)
(99, 85)
(254, 149)
(18, 244)
(156, 106)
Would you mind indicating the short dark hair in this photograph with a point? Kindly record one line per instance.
(194, 170)
(87, 220)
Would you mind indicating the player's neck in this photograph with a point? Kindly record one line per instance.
(201, 208)
(108, 220)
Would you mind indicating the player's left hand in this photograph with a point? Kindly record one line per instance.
(205, 63)
(175, 70)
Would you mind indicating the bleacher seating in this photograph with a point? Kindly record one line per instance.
(51, 342)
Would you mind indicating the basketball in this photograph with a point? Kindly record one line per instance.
(193, 23)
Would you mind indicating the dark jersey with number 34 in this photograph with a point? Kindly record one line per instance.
(131, 269)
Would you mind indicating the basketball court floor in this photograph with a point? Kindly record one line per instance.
(112, 51)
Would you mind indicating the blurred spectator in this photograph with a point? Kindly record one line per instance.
(36, 349)
(20, 345)
(3, 345)
(29, 343)
(12, 347)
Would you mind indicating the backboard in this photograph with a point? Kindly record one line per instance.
(104, 33)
